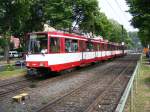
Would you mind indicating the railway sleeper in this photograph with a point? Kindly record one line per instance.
(103, 108)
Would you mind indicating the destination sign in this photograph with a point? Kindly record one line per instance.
(35, 36)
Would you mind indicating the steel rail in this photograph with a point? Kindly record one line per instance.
(42, 109)
(95, 103)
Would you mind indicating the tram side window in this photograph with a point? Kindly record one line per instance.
(67, 45)
(108, 47)
(54, 45)
(112, 47)
(82, 46)
(98, 47)
(90, 46)
(71, 45)
(105, 47)
(116, 47)
(102, 46)
(74, 45)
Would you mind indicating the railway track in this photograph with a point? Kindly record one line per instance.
(12, 82)
(82, 97)
(13, 86)
(108, 100)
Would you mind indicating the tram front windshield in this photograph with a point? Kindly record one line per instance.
(37, 43)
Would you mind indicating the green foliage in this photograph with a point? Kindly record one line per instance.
(10, 74)
(116, 32)
(2, 42)
(20, 49)
(9, 68)
(141, 18)
(90, 11)
(58, 13)
(14, 13)
(22, 16)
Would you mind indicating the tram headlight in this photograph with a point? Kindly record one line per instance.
(41, 64)
(27, 64)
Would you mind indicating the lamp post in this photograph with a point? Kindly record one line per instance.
(122, 35)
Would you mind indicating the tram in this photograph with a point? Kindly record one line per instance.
(57, 51)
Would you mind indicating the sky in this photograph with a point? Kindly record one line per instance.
(117, 10)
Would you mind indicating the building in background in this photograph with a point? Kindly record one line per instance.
(15, 41)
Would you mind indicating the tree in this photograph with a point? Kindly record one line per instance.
(23, 16)
(135, 40)
(58, 13)
(13, 13)
(2, 42)
(90, 11)
(141, 18)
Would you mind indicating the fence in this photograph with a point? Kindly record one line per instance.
(129, 90)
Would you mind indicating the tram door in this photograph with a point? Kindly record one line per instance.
(100, 49)
(82, 48)
(96, 49)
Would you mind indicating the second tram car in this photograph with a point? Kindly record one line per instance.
(58, 51)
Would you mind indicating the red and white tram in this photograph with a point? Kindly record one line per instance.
(57, 51)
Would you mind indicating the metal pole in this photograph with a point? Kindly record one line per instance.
(136, 77)
(130, 102)
(132, 107)
(122, 37)
(21, 65)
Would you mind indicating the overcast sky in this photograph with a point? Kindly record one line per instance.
(116, 9)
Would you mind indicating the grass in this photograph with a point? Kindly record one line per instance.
(141, 102)
(13, 73)
(5, 62)
(142, 99)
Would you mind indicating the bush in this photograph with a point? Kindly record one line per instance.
(9, 68)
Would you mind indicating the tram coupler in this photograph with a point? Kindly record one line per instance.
(32, 72)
